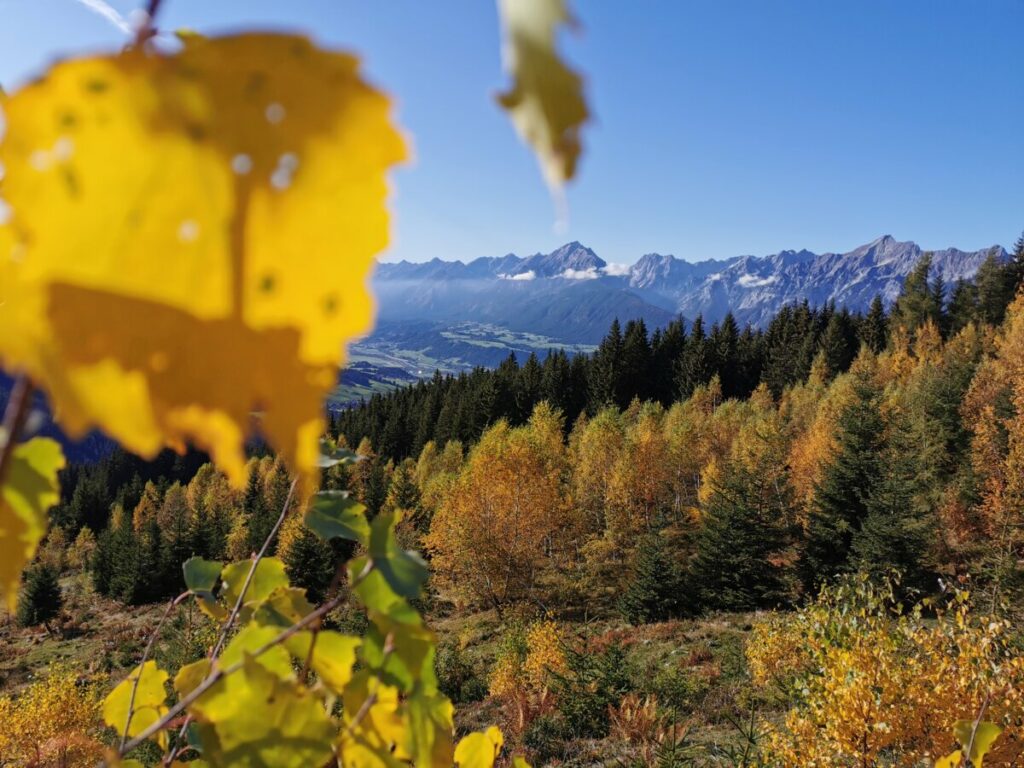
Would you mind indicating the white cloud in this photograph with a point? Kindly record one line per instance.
(752, 281)
(580, 274)
(616, 270)
(530, 275)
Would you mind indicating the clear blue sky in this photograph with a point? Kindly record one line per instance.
(722, 127)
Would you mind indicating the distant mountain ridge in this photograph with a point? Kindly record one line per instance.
(657, 286)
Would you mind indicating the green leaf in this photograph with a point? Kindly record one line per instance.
(29, 490)
(431, 725)
(404, 571)
(251, 638)
(331, 455)
(376, 594)
(411, 660)
(201, 575)
(984, 738)
(335, 514)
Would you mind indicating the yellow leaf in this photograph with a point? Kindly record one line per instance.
(264, 721)
(147, 708)
(334, 655)
(479, 750)
(951, 760)
(230, 198)
(546, 99)
(979, 739)
(29, 490)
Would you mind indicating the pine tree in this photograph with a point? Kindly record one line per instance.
(918, 301)
(696, 366)
(898, 530)
(605, 370)
(963, 304)
(41, 598)
(655, 588)
(840, 502)
(837, 343)
(310, 563)
(874, 328)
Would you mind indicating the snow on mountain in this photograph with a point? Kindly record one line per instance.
(657, 286)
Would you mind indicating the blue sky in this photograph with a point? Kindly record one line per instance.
(722, 127)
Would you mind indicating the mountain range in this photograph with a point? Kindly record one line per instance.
(454, 315)
(572, 293)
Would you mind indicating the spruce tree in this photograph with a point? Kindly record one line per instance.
(41, 598)
(874, 328)
(840, 502)
(736, 567)
(696, 366)
(898, 530)
(310, 564)
(655, 590)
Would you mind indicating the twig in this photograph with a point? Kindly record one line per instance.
(15, 416)
(236, 609)
(219, 673)
(974, 730)
(145, 656)
(252, 572)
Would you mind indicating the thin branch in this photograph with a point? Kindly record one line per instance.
(15, 416)
(145, 656)
(219, 673)
(974, 730)
(147, 28)
(252, 572)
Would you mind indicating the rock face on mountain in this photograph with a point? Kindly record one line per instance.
(571, 294)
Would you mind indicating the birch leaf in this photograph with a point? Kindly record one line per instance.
(545, 101)
(186, 238)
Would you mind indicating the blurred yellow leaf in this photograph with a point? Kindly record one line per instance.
(979, 738)
(545, 101)
(29, 490)
(147, 708)
(479, 750)
(185, 239)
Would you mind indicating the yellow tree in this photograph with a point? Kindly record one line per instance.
(497, 528)
(639, 488)
(595, 449)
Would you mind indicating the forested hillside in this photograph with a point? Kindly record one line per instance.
(665, 480)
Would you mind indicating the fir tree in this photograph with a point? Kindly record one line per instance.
(874, 327)
(655, 587)
(840, 502)
(41, 598)
(898, 530)
(737, 565)
(310, 564)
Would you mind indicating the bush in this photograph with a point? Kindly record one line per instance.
(593, 683)
(455, 675)
(41, 599)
